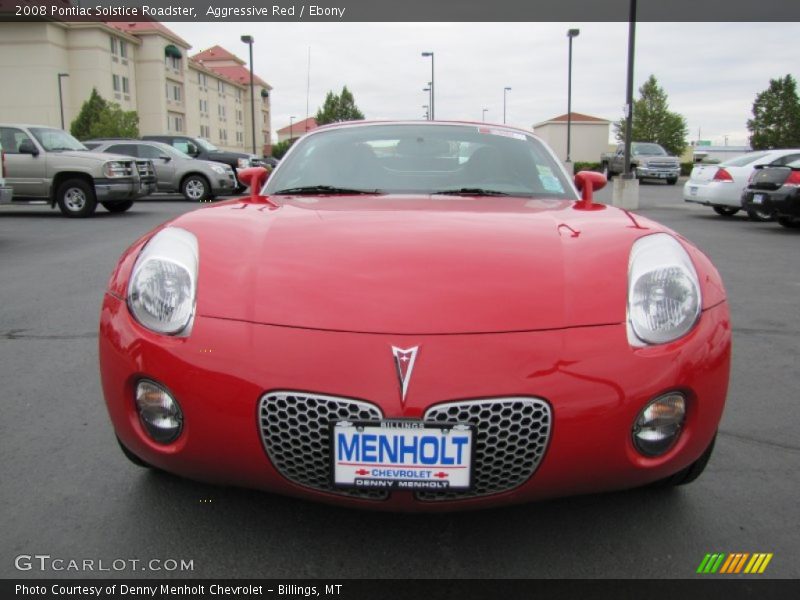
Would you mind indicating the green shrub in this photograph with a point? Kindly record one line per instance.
(587, 166)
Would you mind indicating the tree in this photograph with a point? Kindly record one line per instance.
(279, 149)
(776, 116)
(90, 113)
(653, 121)
(341, 107)
(100, 119)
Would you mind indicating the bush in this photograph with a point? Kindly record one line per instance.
(686, 168)
(279, 149)
(587, 166)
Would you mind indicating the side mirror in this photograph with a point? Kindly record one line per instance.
(587, 182)
(254, 178)
(192, 150)
(27, 147)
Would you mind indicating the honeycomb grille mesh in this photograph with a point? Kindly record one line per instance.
(295, 430)
(511, 436)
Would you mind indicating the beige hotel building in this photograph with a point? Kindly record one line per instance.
(142, 66)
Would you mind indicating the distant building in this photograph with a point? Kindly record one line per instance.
(296, 129)
(588, 136)
(142, 66)
(717, 154)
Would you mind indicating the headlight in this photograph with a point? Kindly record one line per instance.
(163, 286)
(663, 291)
(117, 168)
(243, 163)
(219, 169)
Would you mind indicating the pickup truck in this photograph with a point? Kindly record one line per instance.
(49, 164)
(648, 161)
(5, 191)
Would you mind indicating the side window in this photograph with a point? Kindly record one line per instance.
(126, 149)
(147, 151)
(785, 160)
(11, 138)
(181, 144)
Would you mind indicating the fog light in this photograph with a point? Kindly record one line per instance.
(659, 424)
(158, 411)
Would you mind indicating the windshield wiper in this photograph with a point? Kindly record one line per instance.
(468, 191)
(322, 189)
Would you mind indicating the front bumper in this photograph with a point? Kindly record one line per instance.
(222, 184)
(784, 202)
(6, 194)
(657, 173)
(111, 191)
(594, 381)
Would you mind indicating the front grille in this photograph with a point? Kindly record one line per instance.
(511, 436)
(295, 430)
(661, 165)
(146, 170)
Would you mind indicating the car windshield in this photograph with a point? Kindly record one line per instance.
(206, 145)
(648, 150)
(169, 150)
(53, 140)
(742, 161)
(465, 160)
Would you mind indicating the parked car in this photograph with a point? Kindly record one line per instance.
(198, 180)
(776, 190)
(648, 161)
(6, 192)
(49, 164)
(198, 147)
(410, 332)
(721, 186)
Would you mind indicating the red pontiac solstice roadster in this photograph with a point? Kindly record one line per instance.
(417, 316)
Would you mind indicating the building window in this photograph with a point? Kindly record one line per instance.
(205, 131)
(203, 106)
(114, 45)
(126, 87)
(239, 95)
(123, 49)
(115, 82)
(173, 62)
(220, 86)
(239, 137)
(174, 122)
(223, 135)
(238, 116)
(221, 111)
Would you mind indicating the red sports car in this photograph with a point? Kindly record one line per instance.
(417, 316)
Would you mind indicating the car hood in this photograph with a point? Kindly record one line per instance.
(414, 265)
(90, 156)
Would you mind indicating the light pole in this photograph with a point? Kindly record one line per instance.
(571, 33)
(629, 90)
(483, 117)
(291, 127)
(429, 89)
(248, 39)
(433, 111)
(60, 97)
(505, 91)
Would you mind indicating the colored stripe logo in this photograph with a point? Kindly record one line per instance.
(737, 562)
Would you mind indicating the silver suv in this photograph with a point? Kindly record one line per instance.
(45, 163)
(197, 180)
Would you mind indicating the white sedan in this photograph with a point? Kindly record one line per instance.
(721, 186)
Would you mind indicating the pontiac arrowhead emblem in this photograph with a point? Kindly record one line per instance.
(404, 361)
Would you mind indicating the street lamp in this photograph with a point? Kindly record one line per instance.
(60, 97)
(629, 90)
(291, 127)
(483, 117)
(429, 89)
(248, 39)
(571, 33)
(505, 91)
(433, 111)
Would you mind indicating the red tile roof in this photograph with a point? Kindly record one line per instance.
(134, 27)
(239, 74)
(217, 53)
(300, 126)
(576, 117)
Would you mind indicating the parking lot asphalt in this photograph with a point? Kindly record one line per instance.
(69, 493)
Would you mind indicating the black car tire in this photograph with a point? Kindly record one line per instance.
(672, 180)
(761, 215)
(76, 199)
(725, 211)
(132, 457)
(195, 188)
(117, 207)
(690, 473)
(789, 222)
(607, 172)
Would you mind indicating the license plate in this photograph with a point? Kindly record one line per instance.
(693, 190)
(758, 198)
(402, 454)
(662, 175)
